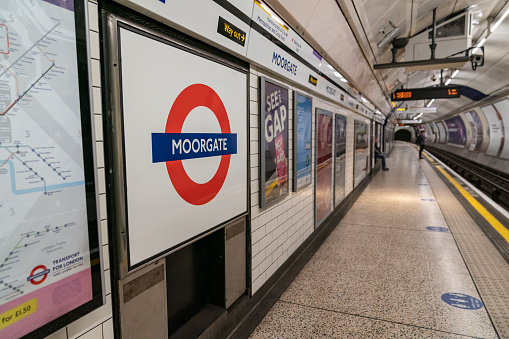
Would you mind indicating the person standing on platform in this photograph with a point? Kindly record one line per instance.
(380, 155)
(421, 138)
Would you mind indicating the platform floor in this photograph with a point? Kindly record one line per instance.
(382, 273)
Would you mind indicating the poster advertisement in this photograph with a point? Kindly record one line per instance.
(476, 129)
(457, 131)
(339, 159)
(496, 130)
(302, 139)
(502, 107)
(48, 218)
(432, 132)
(274, 143)
(361, 151)
(323, 164)
(442, 136)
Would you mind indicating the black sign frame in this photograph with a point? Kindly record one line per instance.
(410, 94)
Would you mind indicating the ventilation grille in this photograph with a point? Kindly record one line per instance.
(451, 29)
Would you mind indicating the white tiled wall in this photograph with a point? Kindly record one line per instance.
(277, 231)
(97, 324)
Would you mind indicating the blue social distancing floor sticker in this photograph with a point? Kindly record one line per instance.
(428, 199)
(437, 229)
(461, 300)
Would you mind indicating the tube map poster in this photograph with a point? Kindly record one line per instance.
(45, 269)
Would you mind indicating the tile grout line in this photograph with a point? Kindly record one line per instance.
(375, 318)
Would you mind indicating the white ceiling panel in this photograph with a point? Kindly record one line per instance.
(348, 48)
(325, 23)
(301, 10)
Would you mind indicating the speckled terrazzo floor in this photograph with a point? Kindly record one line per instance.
(381, 273)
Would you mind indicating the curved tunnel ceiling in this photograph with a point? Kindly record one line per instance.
(329, 26)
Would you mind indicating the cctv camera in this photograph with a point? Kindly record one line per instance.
(433, 78)
(477, 60)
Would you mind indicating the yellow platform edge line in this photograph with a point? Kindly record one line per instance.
(487, 215)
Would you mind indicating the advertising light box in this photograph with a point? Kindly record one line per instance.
(324, 164)
(476, 129)
(457, 131)
(50, 272)
(361, 155)
(184, 121)
(339, 159)
(302, 141)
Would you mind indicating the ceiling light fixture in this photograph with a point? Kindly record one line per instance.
(430, 102)
(418, 116)
(455, 73)
(479, 45)
(448, 82)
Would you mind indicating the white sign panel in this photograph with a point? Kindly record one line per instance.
(199, 16)
(185, 137)
(269, 21)
(419, 110)
(502, 108)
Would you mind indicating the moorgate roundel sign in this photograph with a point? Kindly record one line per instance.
(173, 146)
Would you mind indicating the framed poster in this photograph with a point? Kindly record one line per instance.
(323, 185)
(302, 141)
(361, 154)
(50, 264)
(496, 130)
(182, 173)
(339, 158)
(502, 107)
(476, 129)
(442, 134)
(457, 131)
(274, 148)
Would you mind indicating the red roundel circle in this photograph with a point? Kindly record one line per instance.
(191, 97)
(37, 282)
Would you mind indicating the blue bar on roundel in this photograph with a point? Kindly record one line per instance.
(180, 146)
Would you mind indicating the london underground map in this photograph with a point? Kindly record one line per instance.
(44, 248)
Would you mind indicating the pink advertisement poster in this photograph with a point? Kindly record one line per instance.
(281, 164)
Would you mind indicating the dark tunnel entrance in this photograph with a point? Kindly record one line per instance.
(404, 135)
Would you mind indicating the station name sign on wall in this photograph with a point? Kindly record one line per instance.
(186, 164)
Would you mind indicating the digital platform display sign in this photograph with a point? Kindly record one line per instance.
(426, 93)
(50, 272)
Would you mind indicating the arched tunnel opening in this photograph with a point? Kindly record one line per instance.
(403, 135)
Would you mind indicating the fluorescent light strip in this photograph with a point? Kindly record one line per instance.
(455, 73)
(419, 115)
(448, 82)
(429, 103)
(479, 45)
(495, 26)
